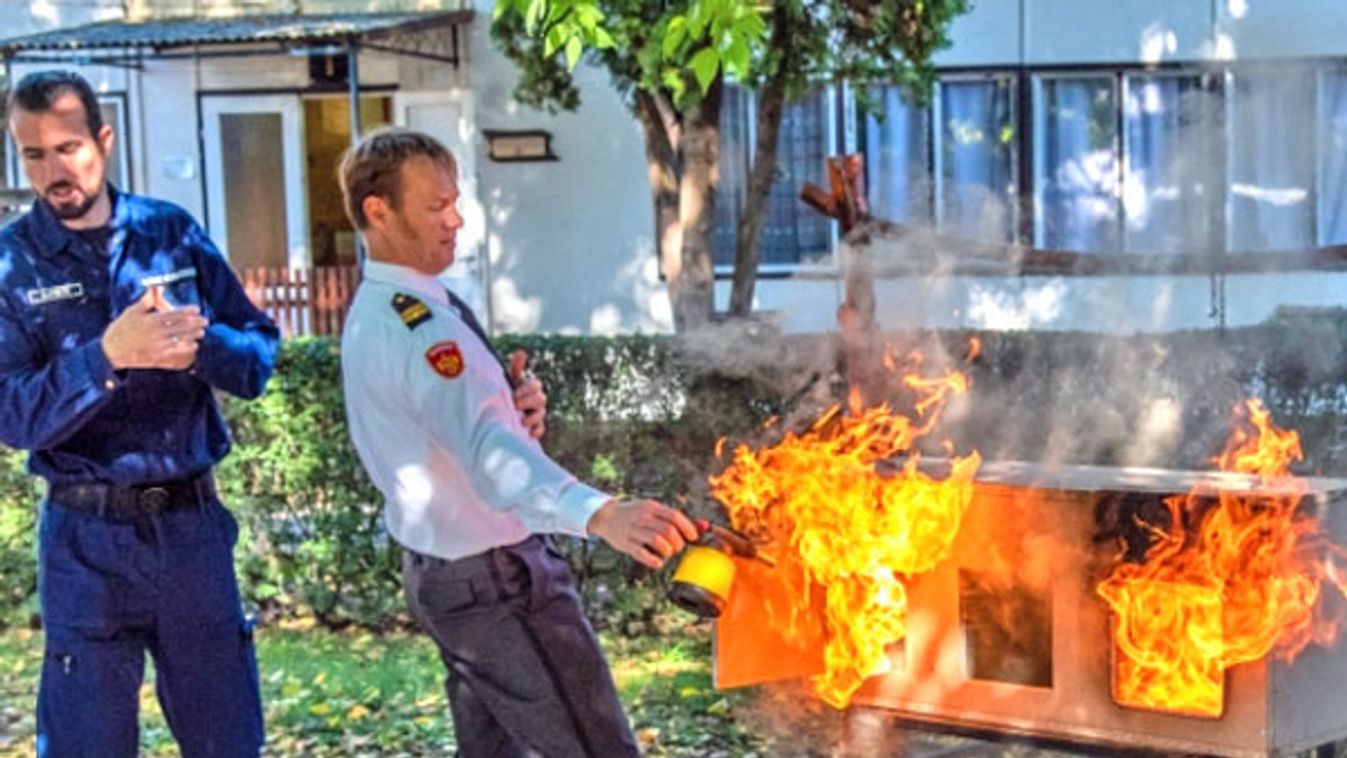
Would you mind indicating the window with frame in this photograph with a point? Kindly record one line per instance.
(119, 164)
(976, 171)
(6, 147)
(897, 139)
(1172, 163)
(1271, 160)
(1077, 203)
(1332, 180)
(793, 234)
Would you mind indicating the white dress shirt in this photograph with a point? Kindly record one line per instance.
(458, 472)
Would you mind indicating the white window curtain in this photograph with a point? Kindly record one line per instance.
(1171, 170)
(1077, 205)
(1333, 157)
(976, 192)
(897, 158)
(792, 232)
(118, 171)
(1272, 136)
(735, 139)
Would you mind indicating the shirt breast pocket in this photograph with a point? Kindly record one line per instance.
(180, 286)
(184, 292)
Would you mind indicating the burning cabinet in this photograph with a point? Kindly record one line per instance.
(1010, 633)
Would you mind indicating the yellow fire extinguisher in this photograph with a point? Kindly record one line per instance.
(705, 576)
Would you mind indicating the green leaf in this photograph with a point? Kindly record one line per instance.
(536, 10)
(574, 48)
(602, 39)
(705, 64)
(589, 16)
(556, 37)
(673, 81)
(674, 36)
(738, 58)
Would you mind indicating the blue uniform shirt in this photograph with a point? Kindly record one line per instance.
(59, 397)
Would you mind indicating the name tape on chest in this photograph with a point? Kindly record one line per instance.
(159, 280)
(44, 295)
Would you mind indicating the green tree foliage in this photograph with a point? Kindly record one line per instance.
(671, 61)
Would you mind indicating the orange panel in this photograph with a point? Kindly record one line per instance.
(750, 645)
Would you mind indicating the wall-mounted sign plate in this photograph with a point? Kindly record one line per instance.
(514, 146)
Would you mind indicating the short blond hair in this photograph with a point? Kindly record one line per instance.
(373, 167)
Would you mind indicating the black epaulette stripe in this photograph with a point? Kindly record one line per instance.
(413, 312)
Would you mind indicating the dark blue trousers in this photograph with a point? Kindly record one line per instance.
(526, 677)
(111, 590)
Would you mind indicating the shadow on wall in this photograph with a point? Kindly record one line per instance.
(549, 272)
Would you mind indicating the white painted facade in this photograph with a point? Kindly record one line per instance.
(568, 246)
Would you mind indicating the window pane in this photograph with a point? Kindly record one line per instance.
(897, 158)
(794, 232)
(1271, 161)
(1076, 171)
(734, 146)
(977, 159)
(1172, 167)
(116, 168)
(254, 181)
(1333, 149)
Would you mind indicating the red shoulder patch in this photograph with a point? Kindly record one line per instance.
(446, 359)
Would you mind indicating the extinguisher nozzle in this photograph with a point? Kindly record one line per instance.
(696, 600)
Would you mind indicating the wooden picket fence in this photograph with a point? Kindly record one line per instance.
(303, 301)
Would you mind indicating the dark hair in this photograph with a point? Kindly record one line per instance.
(373, 166)
(38, 92)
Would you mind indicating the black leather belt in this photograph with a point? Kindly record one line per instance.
(125, 503)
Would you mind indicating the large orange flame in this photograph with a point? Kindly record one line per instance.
(1245, 583)
(841, 524)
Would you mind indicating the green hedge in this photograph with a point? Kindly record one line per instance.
(641, 415)
(312, 539)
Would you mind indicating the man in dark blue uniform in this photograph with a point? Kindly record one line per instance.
(117, 319)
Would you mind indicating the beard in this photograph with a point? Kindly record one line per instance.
(77, 206)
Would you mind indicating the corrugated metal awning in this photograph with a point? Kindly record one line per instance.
(288, 30)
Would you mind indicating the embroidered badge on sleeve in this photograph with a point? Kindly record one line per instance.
(446, 359)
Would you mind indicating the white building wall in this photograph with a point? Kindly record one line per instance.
(570, 243)
(1283, 28)
(1045, 32)
(32, 16)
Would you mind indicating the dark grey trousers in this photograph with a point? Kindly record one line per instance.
(525, 673)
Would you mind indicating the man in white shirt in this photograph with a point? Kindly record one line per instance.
(453, 448)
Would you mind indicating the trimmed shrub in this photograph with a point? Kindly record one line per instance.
(641, 416)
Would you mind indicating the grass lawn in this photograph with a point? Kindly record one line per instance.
(360, 694)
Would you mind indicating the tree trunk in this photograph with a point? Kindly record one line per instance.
(696, 208)
(747, 245)
(771, 105)
(662, 136)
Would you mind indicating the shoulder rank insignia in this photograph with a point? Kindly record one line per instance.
(446, 359)
(413, 312)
